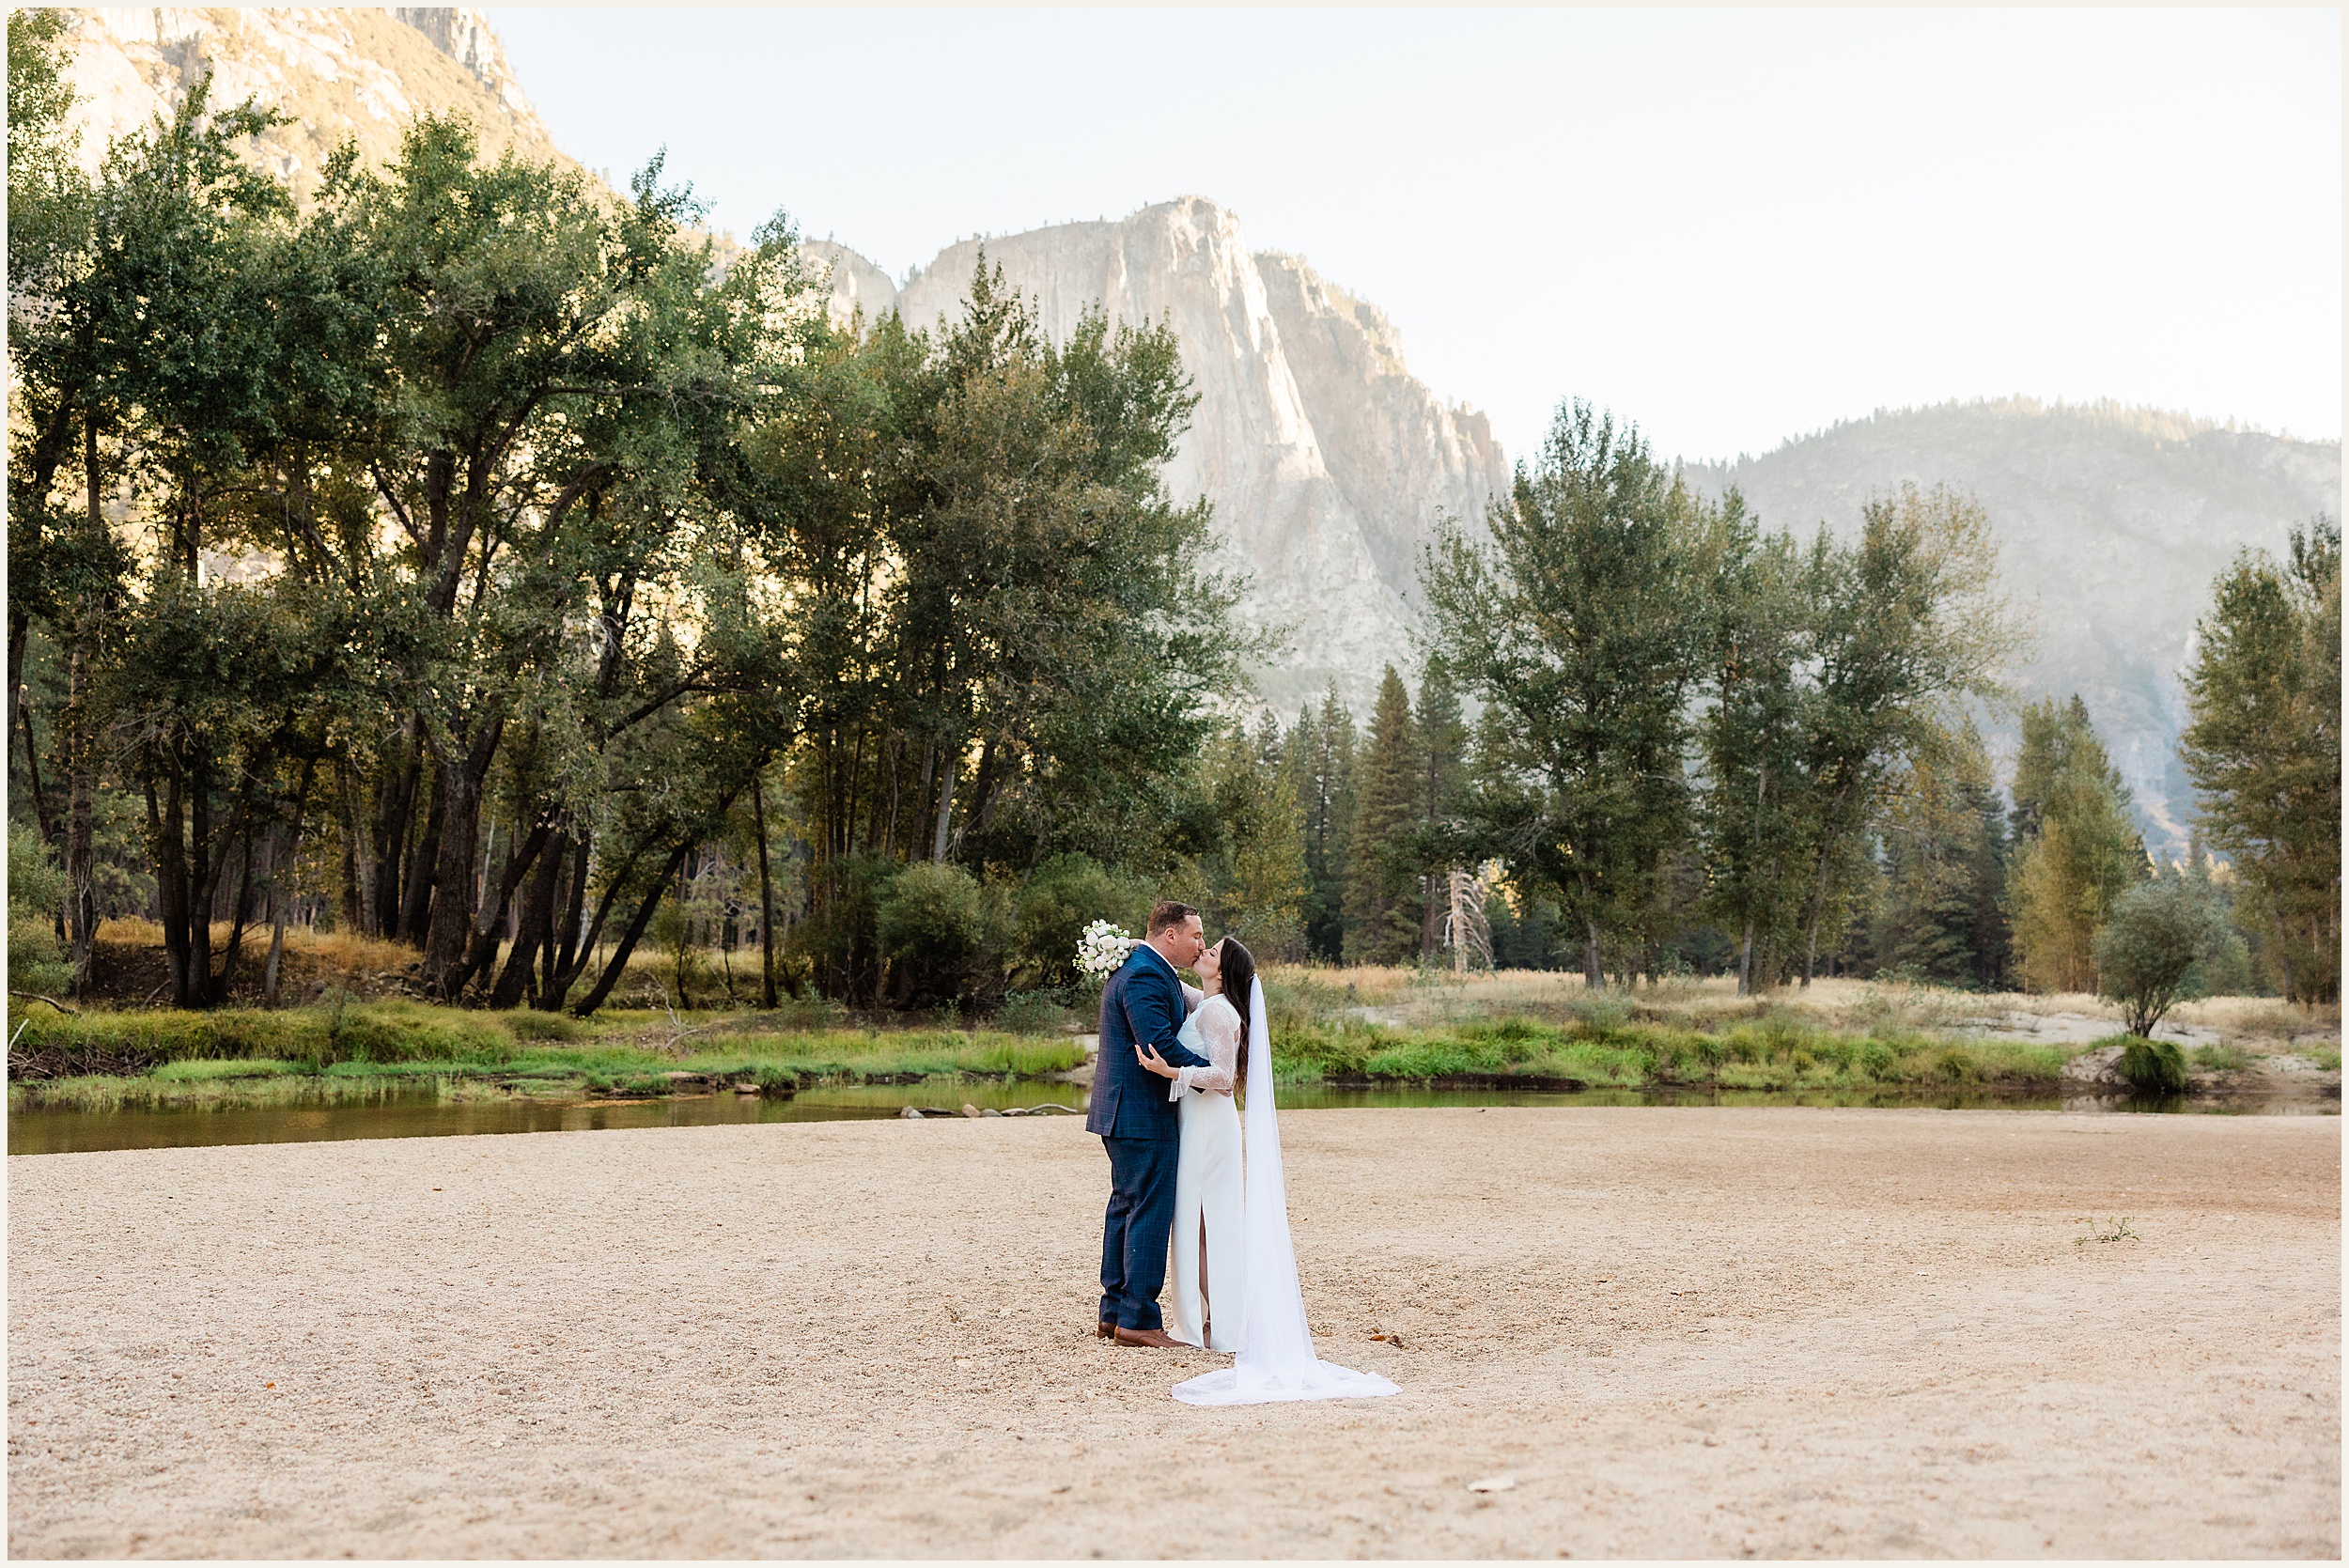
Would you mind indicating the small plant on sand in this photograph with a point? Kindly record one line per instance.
(2116, 1229)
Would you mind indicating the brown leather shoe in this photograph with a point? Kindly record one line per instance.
(1105, 1329)
(1157, 1339)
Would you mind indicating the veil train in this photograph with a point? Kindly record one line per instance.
(1278, 1361)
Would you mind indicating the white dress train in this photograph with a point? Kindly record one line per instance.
(1276, 1358)
(1208, 1184)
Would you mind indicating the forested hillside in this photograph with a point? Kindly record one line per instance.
(2111, 525)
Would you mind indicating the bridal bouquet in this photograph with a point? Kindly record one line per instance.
(1102, 949)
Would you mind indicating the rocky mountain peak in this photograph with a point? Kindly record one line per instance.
(335, 74)
(1326, 461)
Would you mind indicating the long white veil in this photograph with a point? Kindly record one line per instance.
(1278, 1360)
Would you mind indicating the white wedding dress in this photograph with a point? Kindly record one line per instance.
(1276, 1360)
(1208, 1183)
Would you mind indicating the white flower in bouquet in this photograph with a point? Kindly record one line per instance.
(1102, 949)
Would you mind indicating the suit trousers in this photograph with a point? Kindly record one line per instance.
(1134, 1230)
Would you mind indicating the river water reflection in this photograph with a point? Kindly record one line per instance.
(427, 1113)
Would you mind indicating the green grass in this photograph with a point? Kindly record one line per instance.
(253, 1057)
(2221, 1059)
(1604, 1048)
(306, 1054)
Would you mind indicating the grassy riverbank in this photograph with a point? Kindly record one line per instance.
(313, 1055)
(1391, 1027)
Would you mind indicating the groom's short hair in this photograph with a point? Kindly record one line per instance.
(1169, 914)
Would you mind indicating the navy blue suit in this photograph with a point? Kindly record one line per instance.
(1141, 1129)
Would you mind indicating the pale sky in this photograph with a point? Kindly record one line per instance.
(1732, 226)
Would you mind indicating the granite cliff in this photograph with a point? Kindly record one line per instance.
(335, 73)
(1326, 461)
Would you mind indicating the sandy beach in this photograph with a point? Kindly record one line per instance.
(1671, 1332)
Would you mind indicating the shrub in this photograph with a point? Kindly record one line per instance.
(2153, 1066)
(35, 892)
(1057, 902)
(940, 930)
(2221, 1059)
(542, 1026)
(2150, 948)
(1032, 1013)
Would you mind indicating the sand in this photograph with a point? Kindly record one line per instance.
(1777, 1332)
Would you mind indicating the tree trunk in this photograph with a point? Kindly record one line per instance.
(617, 965)
(166, 846)
(395, 822)
(272, 971)
(578, 954)
(418, 871)
(1594, 975)
(79, 832)
(51, 830)
(481, 949)
(563, 962)
(533, 930)
(767, 892)
(945, 805)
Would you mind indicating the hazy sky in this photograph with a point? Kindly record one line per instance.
(1730, 225)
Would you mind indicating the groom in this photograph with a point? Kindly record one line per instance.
(1141, 1129)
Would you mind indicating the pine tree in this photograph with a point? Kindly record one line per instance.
(2078, 849)
(1944, 852)
(1317, 757)
(1382, 902)
(2264, 749)
(1443, 738)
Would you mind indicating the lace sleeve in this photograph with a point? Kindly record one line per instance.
(1219, 1030)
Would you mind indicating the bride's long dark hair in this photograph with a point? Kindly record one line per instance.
(1239, 975)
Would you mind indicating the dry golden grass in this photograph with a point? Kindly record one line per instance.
(345, 949)
(2262, 1018)
(1412, 997)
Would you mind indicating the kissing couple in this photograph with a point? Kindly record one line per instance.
(1182, 1162)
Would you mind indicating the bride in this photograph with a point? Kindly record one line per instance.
(1207, 1248)
(1218, 1201)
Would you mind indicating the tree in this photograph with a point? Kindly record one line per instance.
(2078, 849)
(2263, 748)
(1317, 754)
(1443, 738)
(1944, 837)
(2147, 952)
(1578, 613)
(1835, 669)
(1252, 881)
(1382, 903)
(1757, 822)
(1005, 640)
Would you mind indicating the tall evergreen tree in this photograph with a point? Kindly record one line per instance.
(2077, 848)
(1944, 869)
(1443, 736)
(1318, 757)
(1382, 901)
(2264, 749)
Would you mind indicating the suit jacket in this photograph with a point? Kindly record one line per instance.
(1142, 1005)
